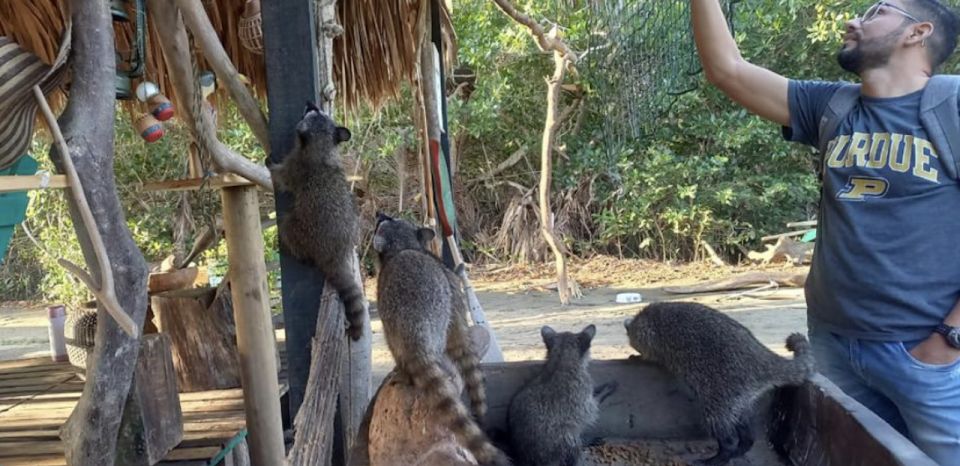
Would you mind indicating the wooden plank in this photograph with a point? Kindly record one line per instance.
(13, 183)
(194, 184)
(184, 454)
(45, 378)
(29, 362)
(43, 460)
(30, 449)
(648, 403)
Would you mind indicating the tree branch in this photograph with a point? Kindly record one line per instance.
(546, 42)
(104, 290)
(177, 53)
(199, 24)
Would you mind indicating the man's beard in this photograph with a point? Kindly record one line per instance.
(868, 55)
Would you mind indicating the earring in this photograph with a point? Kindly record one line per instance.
(923, 43)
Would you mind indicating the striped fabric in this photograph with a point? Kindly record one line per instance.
(20, 70)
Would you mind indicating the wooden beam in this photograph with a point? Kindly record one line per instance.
(193, 184)
(255, 336)
(14, 183)
(291, 80)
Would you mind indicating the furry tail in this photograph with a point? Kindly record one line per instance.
(460, 350)
(803, 365)
(431, 379)
(351, 293)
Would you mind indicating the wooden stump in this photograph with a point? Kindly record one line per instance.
(403, 429)
(152, 422)
(203, 335)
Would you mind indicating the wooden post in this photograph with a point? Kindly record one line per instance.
(291, 80)
(255, 338)
(296, 73)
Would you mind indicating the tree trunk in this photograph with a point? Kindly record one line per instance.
(564, 287)
(90, 434)
(562, 56)
(203, 337)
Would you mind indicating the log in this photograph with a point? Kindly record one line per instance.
(313, 443)
(403, 429)
(90, 434)
(152, 422)
(174, 280)
(203, 336)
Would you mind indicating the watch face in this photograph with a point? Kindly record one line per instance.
(954, 337)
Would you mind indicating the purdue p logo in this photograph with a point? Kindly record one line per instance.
(860, 188)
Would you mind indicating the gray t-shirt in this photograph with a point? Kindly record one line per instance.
(887, 260)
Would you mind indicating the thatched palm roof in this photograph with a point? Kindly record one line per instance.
(375, 55)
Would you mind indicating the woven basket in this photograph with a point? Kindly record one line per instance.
(251, 29)
(80, 332)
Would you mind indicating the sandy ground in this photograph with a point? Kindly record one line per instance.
(519, 300)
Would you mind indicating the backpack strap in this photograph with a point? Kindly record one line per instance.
(940, 117)
(838, 107)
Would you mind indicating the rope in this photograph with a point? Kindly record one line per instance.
(202, 138)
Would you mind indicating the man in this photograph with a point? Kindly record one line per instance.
(883, 292)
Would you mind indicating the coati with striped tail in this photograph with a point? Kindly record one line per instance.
(423, 312)
(322, 226)
(727, 368)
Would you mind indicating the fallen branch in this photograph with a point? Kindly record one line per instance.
(104, 290)
(511, 161)
(175, 48)
(196, 19)
(787, 234)
(792, 279)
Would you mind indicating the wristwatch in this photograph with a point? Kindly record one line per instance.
(952, 334)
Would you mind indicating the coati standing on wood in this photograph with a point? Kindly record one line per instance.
(424, 322)
(547, 417)
(322, 226)
(723, 363)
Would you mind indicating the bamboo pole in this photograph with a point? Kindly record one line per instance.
(255, 338)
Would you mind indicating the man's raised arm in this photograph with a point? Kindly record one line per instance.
(759, 90)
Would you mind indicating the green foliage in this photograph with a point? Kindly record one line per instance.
(31, 272)
(703, 171)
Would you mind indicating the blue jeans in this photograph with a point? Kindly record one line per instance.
(920, 400)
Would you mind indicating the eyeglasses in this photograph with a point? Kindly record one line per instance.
(874, 10)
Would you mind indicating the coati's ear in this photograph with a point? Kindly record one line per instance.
(590, 331)
(547, 334)
(585, 337)
(425, 236)
(627, 322)
(378, 242)
(382, 217)
(341, 134)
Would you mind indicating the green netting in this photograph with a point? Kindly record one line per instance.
(641, 56)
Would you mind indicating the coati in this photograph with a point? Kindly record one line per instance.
(424, 321)
(548, 415)
(722, 362)
(321, 228)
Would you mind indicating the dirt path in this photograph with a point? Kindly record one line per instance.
(518, 301)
